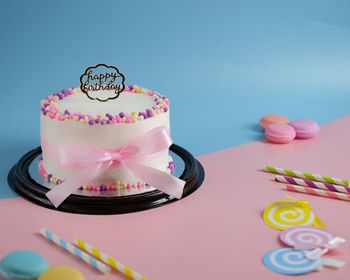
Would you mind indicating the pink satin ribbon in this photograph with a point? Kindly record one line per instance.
(94, 162)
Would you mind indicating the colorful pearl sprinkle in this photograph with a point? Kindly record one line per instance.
(112, 186)
(49, 108)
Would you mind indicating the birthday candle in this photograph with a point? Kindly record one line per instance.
(74, 250)
(329, 194)
(312, 184)
(127, 271)
(306, 175)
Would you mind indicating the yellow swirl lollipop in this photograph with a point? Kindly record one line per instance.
(285, 214)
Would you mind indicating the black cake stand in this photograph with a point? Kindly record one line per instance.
(21, 181)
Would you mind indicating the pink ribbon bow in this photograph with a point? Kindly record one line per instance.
(94, 162)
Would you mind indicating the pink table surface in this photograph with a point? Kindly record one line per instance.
(216, 233)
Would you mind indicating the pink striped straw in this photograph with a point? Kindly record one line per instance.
(329, 194)
(308, 183)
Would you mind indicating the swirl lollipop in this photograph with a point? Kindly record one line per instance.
(306, 237)
(286, 214)
(290, 261)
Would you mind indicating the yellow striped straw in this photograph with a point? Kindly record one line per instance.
(127, 271)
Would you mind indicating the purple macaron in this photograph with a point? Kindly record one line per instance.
(305, 128)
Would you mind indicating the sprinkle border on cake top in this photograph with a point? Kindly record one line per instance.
(49, 108)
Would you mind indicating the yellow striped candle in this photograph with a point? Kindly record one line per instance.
(127, 271)
(74, 250)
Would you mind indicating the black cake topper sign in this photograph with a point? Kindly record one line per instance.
(102, 82)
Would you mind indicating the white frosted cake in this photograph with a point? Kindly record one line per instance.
(70, 119)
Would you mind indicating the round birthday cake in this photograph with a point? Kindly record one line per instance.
(96, 148)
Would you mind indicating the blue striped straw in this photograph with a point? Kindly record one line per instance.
(75, 251)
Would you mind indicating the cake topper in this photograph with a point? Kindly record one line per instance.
(102, 82)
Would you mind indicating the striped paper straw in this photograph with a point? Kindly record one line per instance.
(75, 251)
(306, 175)
(318, 192)
(312, 184)
(127, 271)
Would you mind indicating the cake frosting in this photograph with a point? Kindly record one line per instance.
(70, 119)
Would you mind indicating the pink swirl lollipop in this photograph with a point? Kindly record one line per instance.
(306, 237)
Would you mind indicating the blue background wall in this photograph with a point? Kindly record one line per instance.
(222, 64)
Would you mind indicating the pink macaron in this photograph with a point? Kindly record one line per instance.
(279, 133)
(269, 119)
(305, 128)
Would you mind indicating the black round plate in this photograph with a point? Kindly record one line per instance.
(21, 181)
